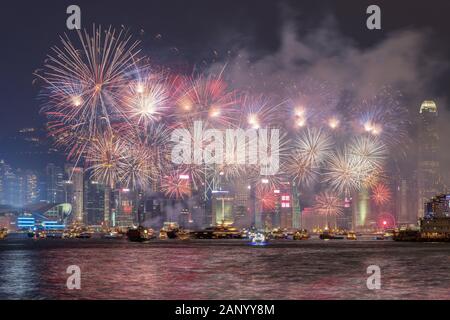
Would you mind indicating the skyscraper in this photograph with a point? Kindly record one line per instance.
(222, 207)
(8, 185)
(428, 178)
(94, 202)
(74, 191)
(242, 204)
(125, 208)
(54, 183)
(27, 187)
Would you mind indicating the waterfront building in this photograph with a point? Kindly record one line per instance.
(75, 191)
(345, 220)
(242, 204)
(435, 223)
(428, 177)
(54, 183)
(222, 207)
(94, 202)
(296, 208)
(45, 216)
(125, 208)
(185, 220)
(26, 187)
(284, 205)
(8, 185)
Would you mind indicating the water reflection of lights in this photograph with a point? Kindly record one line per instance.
(18, 274)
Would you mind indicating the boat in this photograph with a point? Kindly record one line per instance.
(169, 231)
(407, 235)
(351, 235)
(183, 234)
(327, 235)
(140, 234)
(3, 233)
(207, 233)
(84, 235)
(301, 234)
(218, 232)
(248, 233)
(226, 232)
(54, 235)
(258, 239)
(278, 234)
(112, 235)
(37, 234)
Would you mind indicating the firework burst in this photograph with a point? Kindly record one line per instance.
(106, 157)
(82, 87)
(329, 204)
(371, 152)
(176, 185)
(381, 194)
(148, 98)
(344, 172)
(313, 146)
(136, 168)
(206, 99)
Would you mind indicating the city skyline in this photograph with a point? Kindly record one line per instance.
(95, 203)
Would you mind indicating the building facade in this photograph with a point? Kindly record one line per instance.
(428, 176)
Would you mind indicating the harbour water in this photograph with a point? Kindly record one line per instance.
(223, 269)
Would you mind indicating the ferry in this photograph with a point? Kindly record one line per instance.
(140, 234)
(183, 234)
(434, 226)
(113, 235)
(301, 234)
(351, 235)
(84, 235)
(3, 233)
(218, 232)
(278, 234)
(169, 231)
(407, 235)
(327, 235)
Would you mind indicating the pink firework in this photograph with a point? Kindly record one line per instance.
(176, 185)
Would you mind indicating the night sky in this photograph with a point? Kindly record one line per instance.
(186, 34)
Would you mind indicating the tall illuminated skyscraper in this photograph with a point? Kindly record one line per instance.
(74, 191)
(54, 183)
(428, 178)
(94, 202)
(125, 208)
(8, 184)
